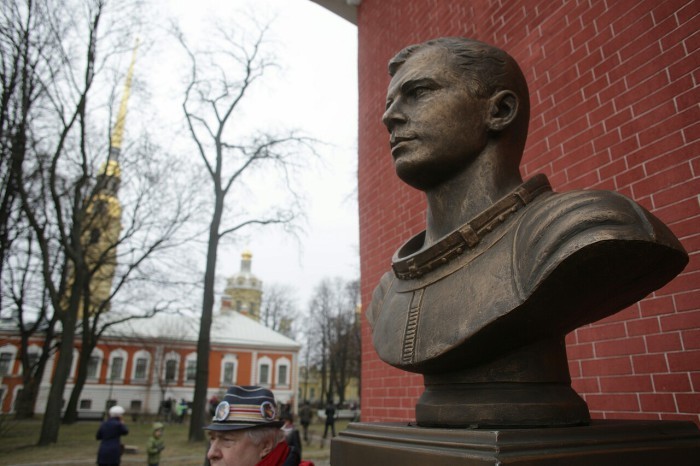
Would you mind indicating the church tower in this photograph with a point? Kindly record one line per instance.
(103, 214)
(243, 292)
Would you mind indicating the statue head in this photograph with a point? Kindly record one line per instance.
(449, 98)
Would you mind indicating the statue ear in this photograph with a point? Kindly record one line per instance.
(503, 108)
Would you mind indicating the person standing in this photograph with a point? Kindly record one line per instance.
(305, 419)
(109, 434)
(155, 444)
(330, 419)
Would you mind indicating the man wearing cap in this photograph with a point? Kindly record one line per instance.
(245, 431)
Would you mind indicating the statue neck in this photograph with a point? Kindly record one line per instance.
(458, 200)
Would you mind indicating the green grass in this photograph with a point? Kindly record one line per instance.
(77, 445)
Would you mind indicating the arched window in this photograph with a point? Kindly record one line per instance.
(264, 369)
(170, 367)
(282, 366)
(229, 369)
(191, 367)
(142, 362)
(117, 365)
(8, 354)
(95, 364)
(33, 353)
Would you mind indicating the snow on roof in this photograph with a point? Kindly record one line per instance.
(231, 328)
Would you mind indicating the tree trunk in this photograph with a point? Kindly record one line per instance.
(199, 404)
(71, 414)
(52, 414)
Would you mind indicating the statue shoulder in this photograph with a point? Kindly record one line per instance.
(561, 225)
(378, 297)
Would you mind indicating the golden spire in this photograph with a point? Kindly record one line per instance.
(118, 131)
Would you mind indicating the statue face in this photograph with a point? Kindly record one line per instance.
(437, 126)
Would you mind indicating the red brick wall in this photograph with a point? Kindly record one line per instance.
(614, 89)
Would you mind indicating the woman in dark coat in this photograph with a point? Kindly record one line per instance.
(109, 433)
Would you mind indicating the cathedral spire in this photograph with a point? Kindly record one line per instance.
(118, 130)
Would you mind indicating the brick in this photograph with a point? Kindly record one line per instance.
(602, 332)
(627, 384)
(691, 339)
(583, 351)
(660, 402)
(690, 300)
(586, 385)
(643, 326)
(607, 366)
(664, 342)
(649, 363)
(680, 321)
(684, 361)
(613, 402)
(688, 402)
(672, 383)
(620, 347)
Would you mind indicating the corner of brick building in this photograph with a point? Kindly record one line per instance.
(614, 96)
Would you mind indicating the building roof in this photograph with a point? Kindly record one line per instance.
(227, 329)
(346, 9)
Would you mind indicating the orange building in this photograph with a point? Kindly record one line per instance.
(140, 363)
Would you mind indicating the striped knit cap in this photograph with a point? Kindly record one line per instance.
(245, 407)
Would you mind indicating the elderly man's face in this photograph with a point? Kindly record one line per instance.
(437, 126)
(233, 448)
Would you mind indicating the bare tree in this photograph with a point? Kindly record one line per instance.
(220, 78)
(279, 309)
(90, 247)
(335, 333)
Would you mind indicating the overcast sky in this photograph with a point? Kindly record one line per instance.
(314, 91)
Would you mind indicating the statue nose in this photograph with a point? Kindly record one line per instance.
(393, 116)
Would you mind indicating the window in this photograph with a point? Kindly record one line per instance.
(228, 369)
(264, 373)
(172, 367)
(117, 363)
(135, 405)
(228, 372)
(94, 366)
(6, 363)
(85, 404)
(282, 375)
(264, 365)
(282, 365)
(191, 370)
(312, 393)
(117, 366)
(191, 367)
(141, 360)
(170, 370)
(141, 367)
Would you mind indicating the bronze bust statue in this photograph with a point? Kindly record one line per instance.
(480, 302)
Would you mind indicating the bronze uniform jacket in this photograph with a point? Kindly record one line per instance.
(558, 262)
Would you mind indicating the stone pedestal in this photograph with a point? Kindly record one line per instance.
(603, 443)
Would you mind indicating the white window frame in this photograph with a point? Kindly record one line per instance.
(96, 353)
(118, 353)
(283, 362)
(262, 362)
(141, 354)
(190, 358)
(229, 359)
(171, 356)
(12, 350)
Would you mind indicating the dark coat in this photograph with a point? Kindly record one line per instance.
(109, 433)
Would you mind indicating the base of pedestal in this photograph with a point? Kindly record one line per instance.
(603, 443)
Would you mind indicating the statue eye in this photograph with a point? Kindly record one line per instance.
(419, 91)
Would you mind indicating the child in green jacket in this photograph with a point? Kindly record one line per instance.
(155, 444)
